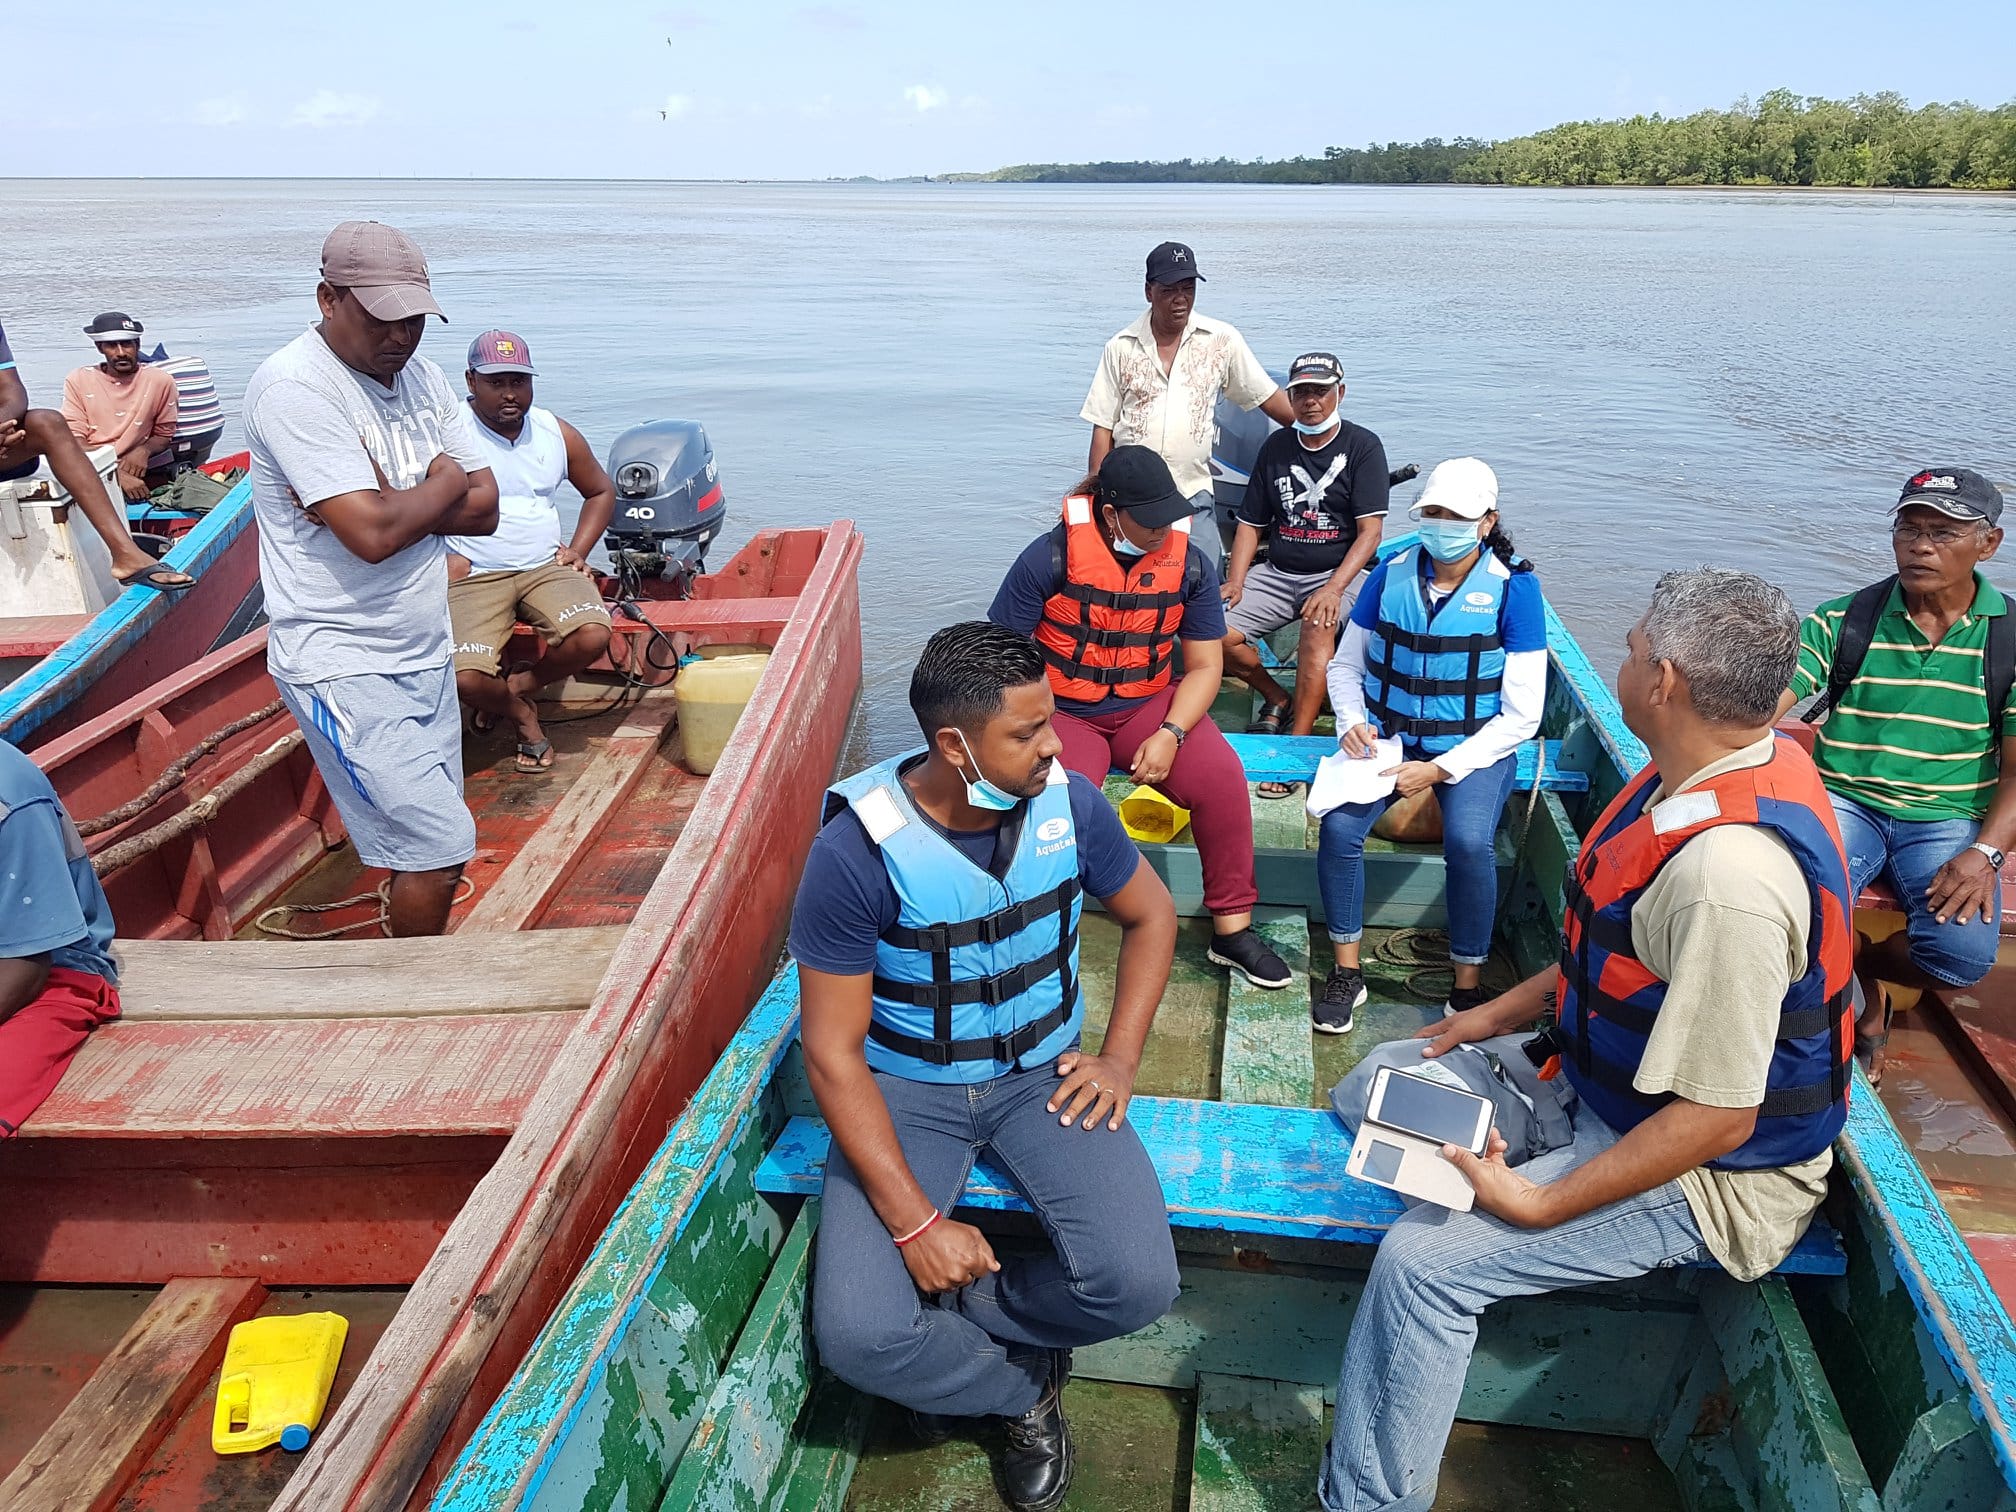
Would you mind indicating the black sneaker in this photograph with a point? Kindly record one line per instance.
(1342, 992)
(1248, 954)
(1462, 999)
(1037, 1463)
(932, 1428)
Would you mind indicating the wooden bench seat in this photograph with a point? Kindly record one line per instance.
(234, 1079)
(1237, 1167)
(1293, 758)
(24, 635)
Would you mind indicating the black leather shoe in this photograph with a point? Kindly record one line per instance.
(1036, 1467)
(932, 1428)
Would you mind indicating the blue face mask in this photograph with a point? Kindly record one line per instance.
(1316, 430)
(981, 793)
(1126, 548)
(1448, 540)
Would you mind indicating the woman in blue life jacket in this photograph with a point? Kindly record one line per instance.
(1446, 650)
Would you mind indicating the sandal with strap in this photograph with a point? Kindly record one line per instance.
(1277, 789)
(1269, 720)
(535, 756)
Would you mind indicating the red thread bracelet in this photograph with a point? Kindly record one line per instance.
(935, 1216)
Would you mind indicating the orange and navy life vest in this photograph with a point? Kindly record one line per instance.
(1109, 631)
(1609, 1000)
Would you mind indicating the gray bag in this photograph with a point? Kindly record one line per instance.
(1532, 1115)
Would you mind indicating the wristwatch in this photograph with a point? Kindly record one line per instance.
(1179, 732)
(1995, 857)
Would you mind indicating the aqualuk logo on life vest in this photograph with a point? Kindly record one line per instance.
(1481, 600)
(1058, 832)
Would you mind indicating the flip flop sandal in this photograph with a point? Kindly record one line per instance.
(482, 721)
(162, 579)
(1270, 720)
(1278, 789)
(535, 757)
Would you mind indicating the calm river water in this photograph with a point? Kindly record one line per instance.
(1661, 378)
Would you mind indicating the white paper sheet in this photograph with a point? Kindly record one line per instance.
(1352, 779)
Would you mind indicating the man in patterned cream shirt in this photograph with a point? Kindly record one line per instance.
(1159, 380)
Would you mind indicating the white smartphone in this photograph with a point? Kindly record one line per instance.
(1429, 1110)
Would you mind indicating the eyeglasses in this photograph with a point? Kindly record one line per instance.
(1944, 537)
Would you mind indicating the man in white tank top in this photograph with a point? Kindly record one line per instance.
(525, 570)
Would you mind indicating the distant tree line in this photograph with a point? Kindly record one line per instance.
(1872, 141)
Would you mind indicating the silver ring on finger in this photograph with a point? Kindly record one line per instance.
(1094, 1086)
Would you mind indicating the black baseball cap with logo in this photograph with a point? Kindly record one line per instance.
(1957, 492)
(1136, 479)
(113, 326)
(1171, 263)
(1316, 369)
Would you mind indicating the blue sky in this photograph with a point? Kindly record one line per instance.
(530, 88)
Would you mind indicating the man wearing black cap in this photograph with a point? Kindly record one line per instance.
(1916, 734)
(1317, 495)
(1106, 596)
(1159, 380)
(361, 462)
(28, 436)
(120, 402)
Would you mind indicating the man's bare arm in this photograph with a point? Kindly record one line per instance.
(598, 494)
(1277, 408)
(476, 515)
(376, 523)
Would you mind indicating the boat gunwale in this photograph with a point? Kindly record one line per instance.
(67, 673)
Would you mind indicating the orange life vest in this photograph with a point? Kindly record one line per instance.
(1110, 630)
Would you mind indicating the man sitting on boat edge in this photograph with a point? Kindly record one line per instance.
(1913, 734)
(57, 979)
(936, 934)
(1704, 1023)
(524, 566)
(121, 402)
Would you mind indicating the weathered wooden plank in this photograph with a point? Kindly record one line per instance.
(826, 1448)
(1803, 1457)
(1691, 1430)
(1280, 823)
(1229, 1167)
(1267, 1053)
(84, 1460)
(530, 971)
(459, 1074)
(1403, 889)
(514, 898)
(1257, 1443)
(1293, 758)
(1945, 1465)
(742, 1444)
(556, 1437)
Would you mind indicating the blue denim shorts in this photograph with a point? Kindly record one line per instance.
(1909, 852)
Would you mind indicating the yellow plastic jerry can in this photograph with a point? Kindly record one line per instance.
(275, 1381)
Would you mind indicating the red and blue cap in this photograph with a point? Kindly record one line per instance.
(500, 352)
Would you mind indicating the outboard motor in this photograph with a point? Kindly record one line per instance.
(668, 502)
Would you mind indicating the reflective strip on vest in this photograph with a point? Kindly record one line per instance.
(1610, 1000)
(979, 974)
(1109, 631)
(1434, 679)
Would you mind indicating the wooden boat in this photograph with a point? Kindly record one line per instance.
(423, 1135)
(1875, 1370)
(59, 670)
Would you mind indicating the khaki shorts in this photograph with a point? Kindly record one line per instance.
(485, 606)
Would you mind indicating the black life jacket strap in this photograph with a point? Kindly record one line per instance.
(1002, 1048)
(1003, 924)
(1426, 643)
(942, 994)
(1108, 677)
(1119, 599)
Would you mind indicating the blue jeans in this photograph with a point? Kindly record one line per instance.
(1110, 1267)
(1470, 811)
(1416, 1324)
(1911, 851)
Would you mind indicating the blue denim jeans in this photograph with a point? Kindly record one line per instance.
(1470, 811)
(1109, 1269)
(1911, 851)
(1416, 1325)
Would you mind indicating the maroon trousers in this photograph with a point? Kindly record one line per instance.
(1206, 778)
(37, 1042)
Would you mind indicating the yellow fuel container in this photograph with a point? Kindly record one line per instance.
(275, 1381)
(712, 694)
(1150, 818)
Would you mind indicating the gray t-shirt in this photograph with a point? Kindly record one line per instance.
(310, 420)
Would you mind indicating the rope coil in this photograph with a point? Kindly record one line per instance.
(269, 923)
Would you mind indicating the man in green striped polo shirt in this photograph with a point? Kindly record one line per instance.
(1911, 753)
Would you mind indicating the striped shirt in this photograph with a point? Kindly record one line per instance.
(1910, 737)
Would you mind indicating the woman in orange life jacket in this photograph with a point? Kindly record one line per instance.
(1106, 596)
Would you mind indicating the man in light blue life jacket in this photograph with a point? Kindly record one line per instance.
(936, 934)
(1704, 1025)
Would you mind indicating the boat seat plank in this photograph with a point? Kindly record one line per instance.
(101, 1439)
(453, 1074)
(1293, 758)
(1255, 1443)
(1235, 1167)
(1268, 1057)
(528, 971)
(38, 634)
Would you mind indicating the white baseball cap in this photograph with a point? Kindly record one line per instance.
(1463, 486)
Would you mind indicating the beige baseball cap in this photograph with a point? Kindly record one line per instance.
(382, 267)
